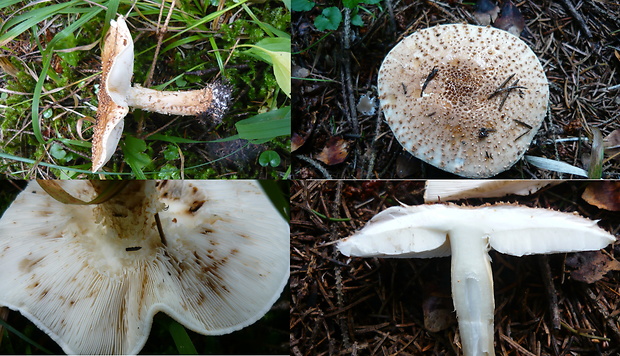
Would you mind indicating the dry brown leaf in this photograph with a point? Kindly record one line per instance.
(617, 54)
(297, 141)
(335, 151)
(438, 313)
(8, 67)
(591, 266)
(603, 195)
(612, 143)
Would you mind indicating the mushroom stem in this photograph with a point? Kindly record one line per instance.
(472, 290)
(210, 100)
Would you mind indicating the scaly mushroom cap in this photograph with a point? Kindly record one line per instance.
(94, 276)
(466, 99)
(117, 70)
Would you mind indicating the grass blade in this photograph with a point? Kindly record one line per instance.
(181, 339)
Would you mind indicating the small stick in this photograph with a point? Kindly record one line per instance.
(502, 85)
(573, 11)
(430, 77)
(160, 229)
(160, 38)
(552, 295)
(522, 123)
(508, 89)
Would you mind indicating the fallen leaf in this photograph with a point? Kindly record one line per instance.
(8, 67)
(591, 266)
(297, 141)
(617, 54)
(438, 310)
(603, 195)
(335, 151)
(302, 134)
(612, 143)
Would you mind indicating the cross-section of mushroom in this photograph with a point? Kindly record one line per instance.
(211, 254)
(467, 234)
(116, 95)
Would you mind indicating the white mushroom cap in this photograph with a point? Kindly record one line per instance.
(466, 99)
(94, 276)
(117, 70)
(439, 190)
(424, 230)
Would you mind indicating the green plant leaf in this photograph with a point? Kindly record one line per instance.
(22, 336)
(57, 151)
(48, 113)
(597, 155)
(329, 19)
(15, 26)
(133, 149)
(68, 41)
(47, 61)
(181, 339)
(302, 5)
(171, 153)
(269, 158)
(278, 193)
(357, 20)
(351, 4)
(276, 51)
(266, 126)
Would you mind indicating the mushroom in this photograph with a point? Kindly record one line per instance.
(445, 190)
(466, 99)
(116, 95)
(468, 233)
(213, 255)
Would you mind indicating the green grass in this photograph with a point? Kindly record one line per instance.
(47, 108)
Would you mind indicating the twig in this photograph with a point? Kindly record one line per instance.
(373, 155)
(571, 8)
(316, 165)
(577, 332)
(430, 77)
(342, 320)
(611, 324)
(552, 296)
(346, 63)
(160, 38)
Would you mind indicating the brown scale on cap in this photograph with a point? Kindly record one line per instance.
(464, 98)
